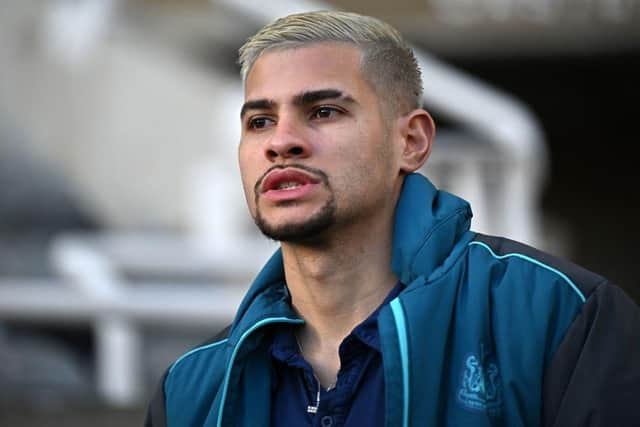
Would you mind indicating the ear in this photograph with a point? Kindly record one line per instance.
(417, 130)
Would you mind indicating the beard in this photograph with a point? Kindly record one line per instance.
(302, 231)
(299, 232)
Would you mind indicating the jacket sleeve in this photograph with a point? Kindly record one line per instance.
(156, 414)
(593, 379)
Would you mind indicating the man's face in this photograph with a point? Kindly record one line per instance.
(316, 153)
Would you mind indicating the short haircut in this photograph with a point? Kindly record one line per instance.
(388, 62)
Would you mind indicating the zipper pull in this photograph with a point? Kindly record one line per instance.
(313, 409)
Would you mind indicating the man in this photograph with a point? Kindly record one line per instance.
(381, 308)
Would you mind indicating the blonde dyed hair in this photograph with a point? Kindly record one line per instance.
(388, 64)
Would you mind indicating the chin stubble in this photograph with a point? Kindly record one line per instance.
(297, 232)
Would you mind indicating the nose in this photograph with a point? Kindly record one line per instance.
(287, 142)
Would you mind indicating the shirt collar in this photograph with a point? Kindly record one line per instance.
(284, 346)
(367, 331)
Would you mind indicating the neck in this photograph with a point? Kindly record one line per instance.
(334, 287)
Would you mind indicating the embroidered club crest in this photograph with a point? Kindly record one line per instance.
(481, 388)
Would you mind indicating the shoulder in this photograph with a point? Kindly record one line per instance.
(533, 294)
(190, 380)
(206, 356)
(519, 261)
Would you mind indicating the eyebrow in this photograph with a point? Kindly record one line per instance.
(310, 97)
(258, 104)
(304, 98)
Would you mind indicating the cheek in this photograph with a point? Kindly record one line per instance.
(248, 176)
(247, 160)
(373, 162)
(248, 193)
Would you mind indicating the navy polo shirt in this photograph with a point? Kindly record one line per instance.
(358, 396)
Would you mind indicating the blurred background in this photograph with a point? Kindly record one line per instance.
(124, 238)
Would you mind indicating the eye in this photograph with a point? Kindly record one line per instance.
(324, 112)
(259, 123)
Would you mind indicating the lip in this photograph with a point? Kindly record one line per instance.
(275, 178)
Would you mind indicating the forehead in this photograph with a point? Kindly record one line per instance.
(283, 73)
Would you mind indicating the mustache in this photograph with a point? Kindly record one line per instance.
(316, 172)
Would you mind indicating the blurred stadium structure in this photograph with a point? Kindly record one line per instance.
(124, 237)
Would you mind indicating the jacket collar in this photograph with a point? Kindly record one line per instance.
(428, 224)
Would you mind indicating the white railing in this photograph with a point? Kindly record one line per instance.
(91, 289)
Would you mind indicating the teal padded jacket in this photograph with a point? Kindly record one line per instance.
(487, 332)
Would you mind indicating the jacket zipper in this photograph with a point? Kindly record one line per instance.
(312, 409)
(401, 328)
